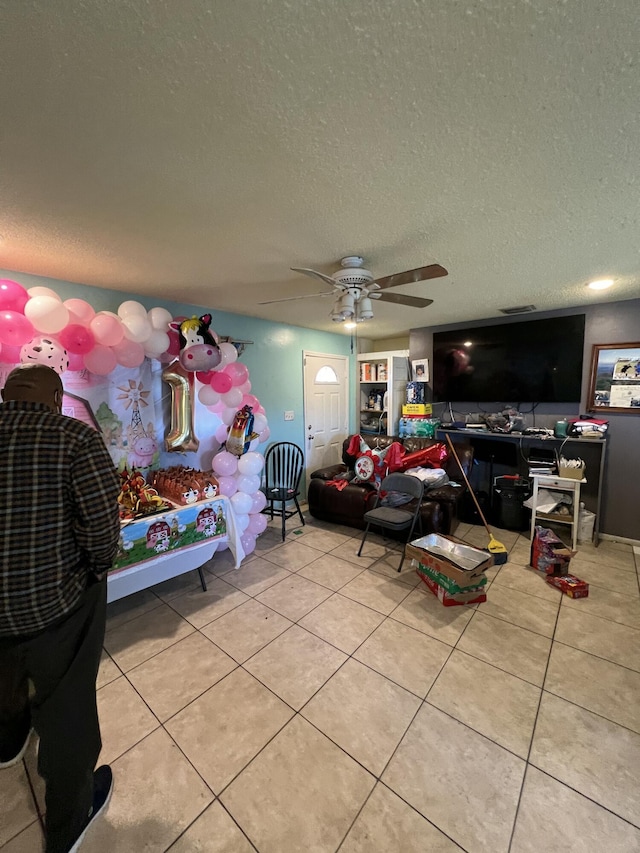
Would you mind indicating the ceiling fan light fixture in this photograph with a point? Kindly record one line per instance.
(347, 306)
(365, 309)
(336, 312)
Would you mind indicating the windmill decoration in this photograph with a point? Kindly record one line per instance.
(142, 442)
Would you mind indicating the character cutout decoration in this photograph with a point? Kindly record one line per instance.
(198, 348)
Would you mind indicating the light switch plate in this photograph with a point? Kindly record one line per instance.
(288, 416)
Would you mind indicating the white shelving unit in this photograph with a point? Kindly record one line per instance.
(382, 380)
(559, 484)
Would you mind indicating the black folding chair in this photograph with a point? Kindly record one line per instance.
(396, 518)
(283, 466)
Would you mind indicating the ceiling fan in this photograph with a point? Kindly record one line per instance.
(354, 287)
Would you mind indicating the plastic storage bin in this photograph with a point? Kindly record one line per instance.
(586, 522)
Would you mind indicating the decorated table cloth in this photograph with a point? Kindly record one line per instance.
(164, 545)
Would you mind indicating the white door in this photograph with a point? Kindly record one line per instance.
(326, 409)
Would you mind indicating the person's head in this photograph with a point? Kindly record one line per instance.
(34, 383)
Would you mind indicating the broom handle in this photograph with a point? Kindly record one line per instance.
(475, 500)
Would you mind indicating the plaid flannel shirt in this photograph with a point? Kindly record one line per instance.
(58, 514)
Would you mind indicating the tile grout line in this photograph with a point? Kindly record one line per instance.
(533, 732)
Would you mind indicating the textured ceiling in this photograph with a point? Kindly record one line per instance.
(197, 149)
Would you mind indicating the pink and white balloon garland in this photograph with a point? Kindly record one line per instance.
(36, 325)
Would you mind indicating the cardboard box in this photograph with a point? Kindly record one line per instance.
(441, 564)
(549, 554)
(446, 582)
(570, 585)
(416, 409)
(473, 596)
(572, 473)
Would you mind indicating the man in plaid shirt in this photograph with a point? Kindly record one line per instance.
(59, 531)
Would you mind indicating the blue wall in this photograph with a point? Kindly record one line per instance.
(274, 359)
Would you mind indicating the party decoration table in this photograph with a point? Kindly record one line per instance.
(168, 544)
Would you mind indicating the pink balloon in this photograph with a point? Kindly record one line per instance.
(129, 353)
(10, 355)
(260, 411)
(101, 360)
(245, 387)
(259, 502)
(80, 309)
(15, 329)
(107, 329)
(238, 372)
(228, 486)
(221, 382)
(221, 433)
(13, 296)
(257, 524)
(76, 361)
(248, 543)
(204, 376)
(77, 339)
(250, 400)
(225, 463)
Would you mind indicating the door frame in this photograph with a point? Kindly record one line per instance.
(347, 398)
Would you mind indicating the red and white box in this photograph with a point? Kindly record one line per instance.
(570, 585)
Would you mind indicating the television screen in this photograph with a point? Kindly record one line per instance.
(536, 361)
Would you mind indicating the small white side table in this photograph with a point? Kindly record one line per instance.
(560, 484)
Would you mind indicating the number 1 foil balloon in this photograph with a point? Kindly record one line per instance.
(181, 437)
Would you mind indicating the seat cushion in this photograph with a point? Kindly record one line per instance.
(389, 517)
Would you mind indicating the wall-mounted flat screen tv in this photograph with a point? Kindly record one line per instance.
(535, 361)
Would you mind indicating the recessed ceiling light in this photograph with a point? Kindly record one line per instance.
(467, 344)
(601, 284)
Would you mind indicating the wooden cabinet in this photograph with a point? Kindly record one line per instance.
(382, 380)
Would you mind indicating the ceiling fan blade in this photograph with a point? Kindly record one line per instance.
(411, 276)
(315, 274)
(303, 296)
(401, 299)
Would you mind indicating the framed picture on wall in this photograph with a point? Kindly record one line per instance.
(420, 370)
(615, 378)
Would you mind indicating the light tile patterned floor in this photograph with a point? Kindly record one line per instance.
(318, 701)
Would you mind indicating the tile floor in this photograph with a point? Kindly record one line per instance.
(317, 701)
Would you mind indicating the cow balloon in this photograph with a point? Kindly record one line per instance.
(198, 349)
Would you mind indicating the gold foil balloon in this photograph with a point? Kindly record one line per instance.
(181, 437)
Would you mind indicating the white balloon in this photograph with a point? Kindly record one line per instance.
(157, 344)
(242, 503)
(207, 396)
(47, 314)
(259, 423)
(251, 463)
(242, 521)
(245, 387)
(131, 308)
(227, 416)
(137, 328)
(232, 398)
(229, 354)
(248, 483)
(160, 318)
(43, 291)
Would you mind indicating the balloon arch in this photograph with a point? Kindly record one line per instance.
(36, 325)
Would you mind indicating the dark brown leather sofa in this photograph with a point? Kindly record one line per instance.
(439, 513)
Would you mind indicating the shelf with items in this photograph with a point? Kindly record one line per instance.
(382, 377)
(564, 485)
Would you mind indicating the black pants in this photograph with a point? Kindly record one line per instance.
(62, 664)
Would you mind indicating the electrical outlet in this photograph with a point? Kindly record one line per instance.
(288, 416)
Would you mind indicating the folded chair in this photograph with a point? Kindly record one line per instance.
(396, 518)
(283, 466)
